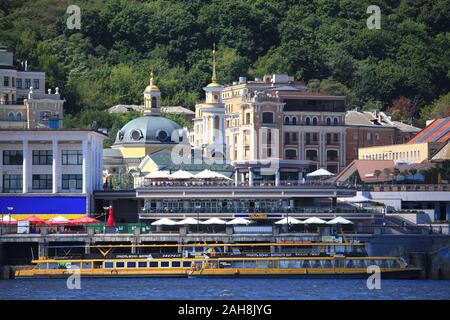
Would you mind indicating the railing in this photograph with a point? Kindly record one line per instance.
(10, 102)
(403, 187)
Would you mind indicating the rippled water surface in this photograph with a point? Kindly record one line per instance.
(272, 289)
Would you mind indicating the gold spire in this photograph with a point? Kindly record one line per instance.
(151, 78)
(151, 87)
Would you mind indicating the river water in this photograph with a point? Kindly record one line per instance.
(223, 289)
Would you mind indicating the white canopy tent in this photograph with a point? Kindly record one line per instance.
(59, 219)
(188, 221)
(359, 198)
(320, 173)
(239, 221)
(208, 174)
(289, 220)
(214, 221)
(314, 220)
(339, 220)
(7, 219)
(157, 175)
(181, 174)
(164, 222)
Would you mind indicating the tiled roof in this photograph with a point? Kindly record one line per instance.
(436, 131)
(369, 119)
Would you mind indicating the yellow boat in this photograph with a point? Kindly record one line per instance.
(321, 262)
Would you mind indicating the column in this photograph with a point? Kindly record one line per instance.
(25, 166)
(85, 165)
(212, 129)
(55, 166)
(250, 177)
(236, 175)
(221, 130)
(204, 127)
(277, 178)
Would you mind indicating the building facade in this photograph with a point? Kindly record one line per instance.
(372, 129)
(55, 170)
(23, 100)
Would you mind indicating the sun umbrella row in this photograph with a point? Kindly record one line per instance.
(237, 221)
(183, 175)
(59, 220)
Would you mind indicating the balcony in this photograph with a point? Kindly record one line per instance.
(312, 142)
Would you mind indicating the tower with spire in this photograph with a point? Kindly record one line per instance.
(152, 98)
(213, 91)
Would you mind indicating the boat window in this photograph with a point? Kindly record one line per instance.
(381, 263)
(392, 264)
(238, 264)
(284, 264)
(294, 264)
(186, 264)
(306, 264)
(53, 265)
(224, 264)
(164, 264)
(327, 264)
(261, 264)
(249, 264)
(176, 264)
(131, 264)
(142, 264)
(42, 266)
(87, 265)
(73, 265)
(98, 264)
(350, 264)
(109, 265)
(358, 263)
(120, 264)
(316, 264)
(153, 264)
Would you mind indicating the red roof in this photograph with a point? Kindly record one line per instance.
(436, 131)
(366, 169)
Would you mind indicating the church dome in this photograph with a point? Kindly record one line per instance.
(151, 129)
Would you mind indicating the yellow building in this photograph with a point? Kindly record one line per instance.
(415, 152)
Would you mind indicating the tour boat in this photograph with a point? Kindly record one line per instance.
(305, 260)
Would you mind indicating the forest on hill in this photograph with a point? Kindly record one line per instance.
(402, 67)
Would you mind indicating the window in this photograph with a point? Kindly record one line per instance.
(314, 121)
(142, 264)
(328, 122)
(369, 136)
(308, 121)
(311, 155)
(19, 116)
(44, 115)
(19, 83)
(36, 83)
(377, 136)
(86, 265)
(11, 116)
(286, 120)
(72, 181)
(72, 157)
(186, 264)
(42, 181)
(120, 264)
(12, 157)
(294, 120)
(42, 157)
(267, 117)
(290, 154)
(286, 138)
(176, 264)
(27, 83)
(164, 264)
(247, 118)
(131, 264)
(6, 81)
(335, 121)
(153, 264)
(12, 182)
(109, 265)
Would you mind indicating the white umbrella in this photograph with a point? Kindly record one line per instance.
(320, 173)
(214, 221)
(314, 220)
(359, 198)
(157, 175)
(181, 174)
(206, 174)
(164, 222)
(59, 219)
(339, 220)
(239, 221)
(189, 221)
(8, 219)
(289, 220)
(221, 176)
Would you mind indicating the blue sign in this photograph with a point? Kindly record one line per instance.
(43, 205)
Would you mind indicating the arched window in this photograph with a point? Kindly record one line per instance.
(307, 121)
(335, 121)
(286, 120)
(294, 120)
(332, 155)
(315, 121)
(154, 102)
(19, 116)
(311, 155)
(267, 117)
(290, 154)
(11, 116)
(328, 122)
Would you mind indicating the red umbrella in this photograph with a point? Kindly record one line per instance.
(84, 220)
(110, 222)
(35, 220)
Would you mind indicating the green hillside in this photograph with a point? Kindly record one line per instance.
(404, 66)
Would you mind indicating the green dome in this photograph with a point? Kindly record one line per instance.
(151, 129)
